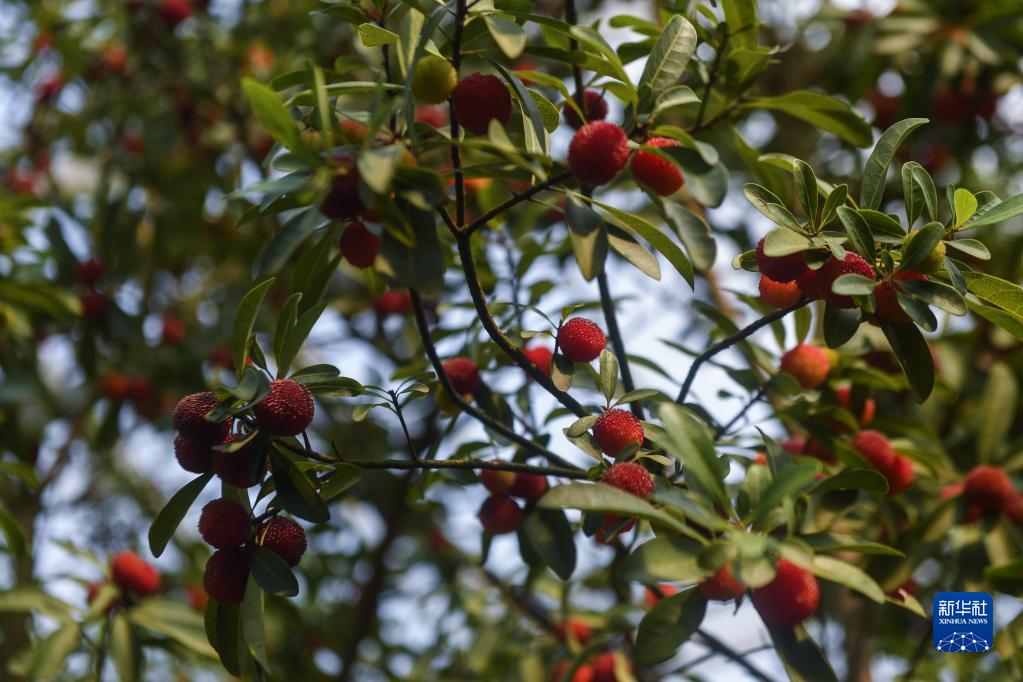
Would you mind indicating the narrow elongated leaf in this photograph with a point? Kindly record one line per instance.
(689, 441)
(806, 189)
(668, 625)
(608, 373)
(821, 111)
(12, 533)
(1011, 207)
(589, 237)
(965, 206)
(122, 647)
(271, 571)
(921, 244)
(295, 491)
(169, 518)
(998, 409)
(657, 239)
(272, 115)
(742, 21)
(252, 623)
(669, 56)
(296, 336)
(804, 661)
(846, 574)
(372, 35)
(244, 322)
(911, 350)
(285, 321)
(549, 534)
(859, 233)
(604, 498)
(876, 170)
(47, 657)
(786, 485)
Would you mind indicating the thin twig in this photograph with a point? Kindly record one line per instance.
(711, 79)
(401, 419)
(607, 304)
(456, 152)
(717, 645)
(515, 199)
(729, 341)
(754, 399)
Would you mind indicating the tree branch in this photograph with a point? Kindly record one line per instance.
(481, 416)
(711, 79)
(730, 341)
(516, 199)
(720, 647)
(456, 152)
(722, 430)
(607, 304)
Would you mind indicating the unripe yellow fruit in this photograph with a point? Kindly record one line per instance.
(445, 403)
(434, 79)
(934, 260)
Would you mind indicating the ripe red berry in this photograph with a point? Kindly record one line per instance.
(579, 630)
(113, 386)
(189, 419)
(498, 482)
(173, 332)
(173, 12)
(809, 364)
(721, 586)
(479, 99)
(392, 303)
(789, 599)
(604, 668)
(581, 340)
(359, 246)
(1013, 508)
(583, 672)
(529, 487)
(594, 107)
(656, 172)
(630, 477)
(617, 429)
(284, 537)
(597, 152)
(288, 409)
(778, 294)
(899, 474)
(133, 575)
(652, 598)
(875, 448)
(852, 264)
(500, 514)
(194, 456)
(94, 305)
(227, 571)
(435, 116)
(224, 523)
(808, 285)
(463, 375)
(844, 396)
(89, 272)
(242, 468)
(541, 356)
(887, 308)
(780, 268)
(342, 201)
(808, 447)
(988, 487)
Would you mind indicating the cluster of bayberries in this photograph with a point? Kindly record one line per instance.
(987, 492)
(500, 513)
(811, 365)
(785, 602)
(786, 279)
(133, 577)
(204, 446)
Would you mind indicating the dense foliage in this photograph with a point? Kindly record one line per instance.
(305, 375)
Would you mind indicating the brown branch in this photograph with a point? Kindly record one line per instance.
(456, 152)
(515, 199)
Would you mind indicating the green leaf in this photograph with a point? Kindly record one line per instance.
(786, 485)
(867, 480)
(971, 247)
(528, 104)
(251, 616)
(669, 55)
(803, 659)
(421, 265)
(295, 491)
(821, 111)
(836, 198)
(228, 637)
(965, 205)
(272, 115)
(47, 657)
(33, 600)
(122, 647)
(589, 237)
(549, 534)
(840, 324)
(771, 206)
(742, 21)
(876, 170)
(806, 189)
(689, 441)
(663, 559)
(604, 498)
(12, 532)
(296, 336)
(997, 411)
(782, 241)
(175, 620)
(608, 373)
(372, 35)
(836, 542)
(285, 321)
(507, 34)
(913, 355)
(853, 285)
(244, 322)
(694, 232)
(928, 191)
(843, 573)
(169, 518)
(1011, 207)
(668, 625)
(271, 571)
(344, 477)
(937, 294)
(920, 245)
(859, 233)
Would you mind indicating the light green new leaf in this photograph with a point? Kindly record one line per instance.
(372, 35)
(272, 115)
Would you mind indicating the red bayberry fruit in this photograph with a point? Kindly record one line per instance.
(284, 537)
(241, 468)
(778, 294)
(875, 447)
(987, 487)
(227, 571)
(463, 375)
(583, 673)
(113, 386)
(499, 482)
(359, 246)
(656, 172)
(194, 456)
(721, 586)
(597, 152)
(529, 487)
(89, 272)
(189, 419)
(479, 99)
(435, 116)
(594, 107)
(392, 303)
(173, 332)
(580, 631)
(844, 396)
(852, 264)
(809, 364)
(630, 477)
(500, 514)
(616, 429)
(789, 599)
(173, 12)
(887, 302)
(94, 305)
(651, 598)
(133, 575)
(808, 447)
(604, 668)
(808, 285)
(581, 340)
(224, 523)
(540, 356)
(288, 409)
(899, 474)
(342, 201)
(780, 268)
(1013, 508)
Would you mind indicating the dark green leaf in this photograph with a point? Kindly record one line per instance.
(168, 519)
(295, 491)
(244, 323)
(549, 534)
(876, 170)
(271, 571)
(914, 355)
(668, 625)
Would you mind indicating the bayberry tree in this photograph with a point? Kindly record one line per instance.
(398, 340)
